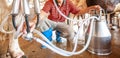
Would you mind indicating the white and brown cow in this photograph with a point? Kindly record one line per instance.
(13, 45)
(7, 41)
(109, 5)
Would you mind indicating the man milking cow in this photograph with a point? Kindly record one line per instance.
(53, 25)
(51, 19)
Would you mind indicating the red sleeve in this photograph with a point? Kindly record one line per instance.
(73, 8)
(47, 6)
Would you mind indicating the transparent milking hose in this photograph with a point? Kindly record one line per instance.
(67, 53)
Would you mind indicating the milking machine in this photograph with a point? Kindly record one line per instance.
(95, 33)
(101, 39)
(15, 11)
(26, 9)
(98, 39)
(37, 9)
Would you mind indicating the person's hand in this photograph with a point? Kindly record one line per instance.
(89, 9)
(96, 7)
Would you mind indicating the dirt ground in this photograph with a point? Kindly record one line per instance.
(34, 50)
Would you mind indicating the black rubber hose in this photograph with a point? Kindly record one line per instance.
(13, 21)
(27, 24)
(37, 20)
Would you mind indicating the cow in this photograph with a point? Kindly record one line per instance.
(8, 41)
(108, 5)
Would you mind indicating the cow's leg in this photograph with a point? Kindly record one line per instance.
(4, 41)
(14, 48)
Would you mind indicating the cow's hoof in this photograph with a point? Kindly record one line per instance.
(17, 54)
(2, 55)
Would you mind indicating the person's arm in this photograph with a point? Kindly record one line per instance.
(86, 10)
(80, 10)
(43, 15)
(73, 8)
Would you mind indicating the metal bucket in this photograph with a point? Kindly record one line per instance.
(101, 39)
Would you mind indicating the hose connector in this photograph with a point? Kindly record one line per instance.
(29, 36)
(37, 9)
(15, 11)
